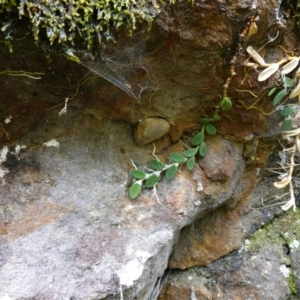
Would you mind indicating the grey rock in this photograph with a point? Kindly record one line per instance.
(237, 276)
(69, 228)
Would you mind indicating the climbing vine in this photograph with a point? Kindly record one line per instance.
(288, 88)
(198, 147)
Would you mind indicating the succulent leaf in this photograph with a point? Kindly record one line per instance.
(171, 172)
(135, 189)
(190, 163)
(197, 139)
(177, 158)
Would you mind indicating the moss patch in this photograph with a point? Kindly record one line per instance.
(64, 20)
(284, 230)
(284, 233)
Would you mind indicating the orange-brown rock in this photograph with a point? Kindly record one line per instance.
(220, 161)
(218, 232)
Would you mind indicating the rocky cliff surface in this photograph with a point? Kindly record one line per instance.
(68, 228)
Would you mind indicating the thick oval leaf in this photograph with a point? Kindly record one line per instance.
(197, 139)
(204, 120)
(176, 157)
(216, 118)
(226, 104)
(290, 66)
(288, 81)
(190, 163)
(135, 189)
(151, 181)
(139, 174)
(171, 172)
(271, 92)
(295, 92)
(268, 72)
(210, 129)
(203, 149)
(287, 124)
(279, 96)
(287, 111)
(156, 165)
(190, 152)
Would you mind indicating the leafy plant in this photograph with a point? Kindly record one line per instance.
(280, 94)
(150, 179)
(188, 157)
(288, 90)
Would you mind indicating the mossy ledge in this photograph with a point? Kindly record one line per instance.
(62, 21)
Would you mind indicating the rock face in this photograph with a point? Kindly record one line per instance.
(236, 277)
(68, 229)
(64, 223)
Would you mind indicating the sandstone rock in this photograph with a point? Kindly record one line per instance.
(224, 229)
(150, 130)
(68, 228)
(237, 276)
(221, 158)
(68, 225)
(185, 287)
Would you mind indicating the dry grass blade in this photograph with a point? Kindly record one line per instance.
(283, 183)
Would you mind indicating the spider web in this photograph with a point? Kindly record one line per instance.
(124, 64)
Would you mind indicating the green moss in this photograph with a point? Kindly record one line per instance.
(93, 20)
(292, 284)
(281, 231)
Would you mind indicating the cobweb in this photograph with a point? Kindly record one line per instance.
(125, 64)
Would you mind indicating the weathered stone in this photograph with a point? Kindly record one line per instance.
(224, 229)
(221, 159)
(295, 276)
(185, 288)
(150, 130)
(68, 228)
(67, 222)
(237, 276)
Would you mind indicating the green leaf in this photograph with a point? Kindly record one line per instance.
(287, 124)
(204, 120)
(271, 92)
(138, 174)
(225, 104)
(190, 163)
(203, 149)
(151, 181)
(288, 82)
(287, 111)
(215, 118)
(190, 152)
(279, 97)
(135, 189)
(171, 172)
(210, 129)
(176, 157)
(156, 165)
(197, 139)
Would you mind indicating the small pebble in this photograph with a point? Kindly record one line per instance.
(150, 130)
